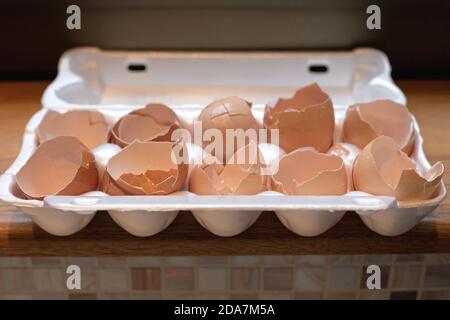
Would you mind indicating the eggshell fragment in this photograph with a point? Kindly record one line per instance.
(365, 121)
(145, 168)
(61, 166)
(228, 113)
(154, 122)
(382, 168)
(89, 127)
(304, 120)
(240, 176)
(348, 153)
(307, 172)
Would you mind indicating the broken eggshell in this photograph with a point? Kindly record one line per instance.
(154, 122)
(382, 168)
(307, 172)
(304, 120)
(365, 121)
(89, 127)
(348, 153)
(228, 113)
(147, 168)
(241, 175)
(60, 166)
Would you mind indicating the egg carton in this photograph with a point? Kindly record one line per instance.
(116, 82)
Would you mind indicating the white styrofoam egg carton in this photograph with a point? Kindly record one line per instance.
(117, 82)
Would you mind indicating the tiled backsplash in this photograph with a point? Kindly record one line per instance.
(239, 277)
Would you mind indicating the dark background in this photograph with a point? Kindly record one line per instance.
(415, 34)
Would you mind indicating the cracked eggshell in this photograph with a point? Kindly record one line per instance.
(154, 122)
(228, 113)
(239, 176)
(90, 127)
(61, 166)
(382, 168)
(146, 168)
(348, 153)
(365, 121)
(307, 172)
(304, 120)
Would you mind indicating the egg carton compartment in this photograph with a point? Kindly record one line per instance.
(114, 83)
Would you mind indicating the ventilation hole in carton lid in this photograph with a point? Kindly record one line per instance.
(137, 67)
(318, 68)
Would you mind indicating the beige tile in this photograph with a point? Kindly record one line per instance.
(212, 279)
(276, 295)
(378, 259)
(49, 280)
(112, 262)
(244, 279)
(309, 279)
(212, 260)
(282, 261)
(179, 278)
(308, 295)
(50, 296)
(437, 276)
(244, 296)
(88, 262)
(246, 260)
(406, 276)
(278, 278)
(437, 258)
(311, 261)
(409, 258)
(435, 295)
(114, 296)
(16, 280)
(16, 297)
(12, 262)
(145, 261)
(343, 279)
(385, 274)
(179, 261)
(114, 280)
(46, 262)
(145, 278)
(212, 296)
(82, 296)
(340, 296)
(340, 259)
(373, 295)
(146, 296)
(178, 295)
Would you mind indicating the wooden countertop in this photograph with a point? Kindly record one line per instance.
(429, 101)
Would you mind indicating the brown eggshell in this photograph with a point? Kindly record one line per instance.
(348, 153)
(304, 120)
(365, 121)
(228, 113)
(154, 122)
(235, 178)
(382, 168)
(89, 127)
(145, 168)
(307, 172)
(61, 166)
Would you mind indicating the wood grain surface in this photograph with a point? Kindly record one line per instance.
(429, 101)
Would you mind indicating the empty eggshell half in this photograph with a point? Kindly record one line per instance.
(304, 120)
(240, 176)
(307, 172)
(228, 113)
(154, 122)
(382, 168)
(89, 127)
(348, 153)
(146, 168)
(365, 121)
(61, 166)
